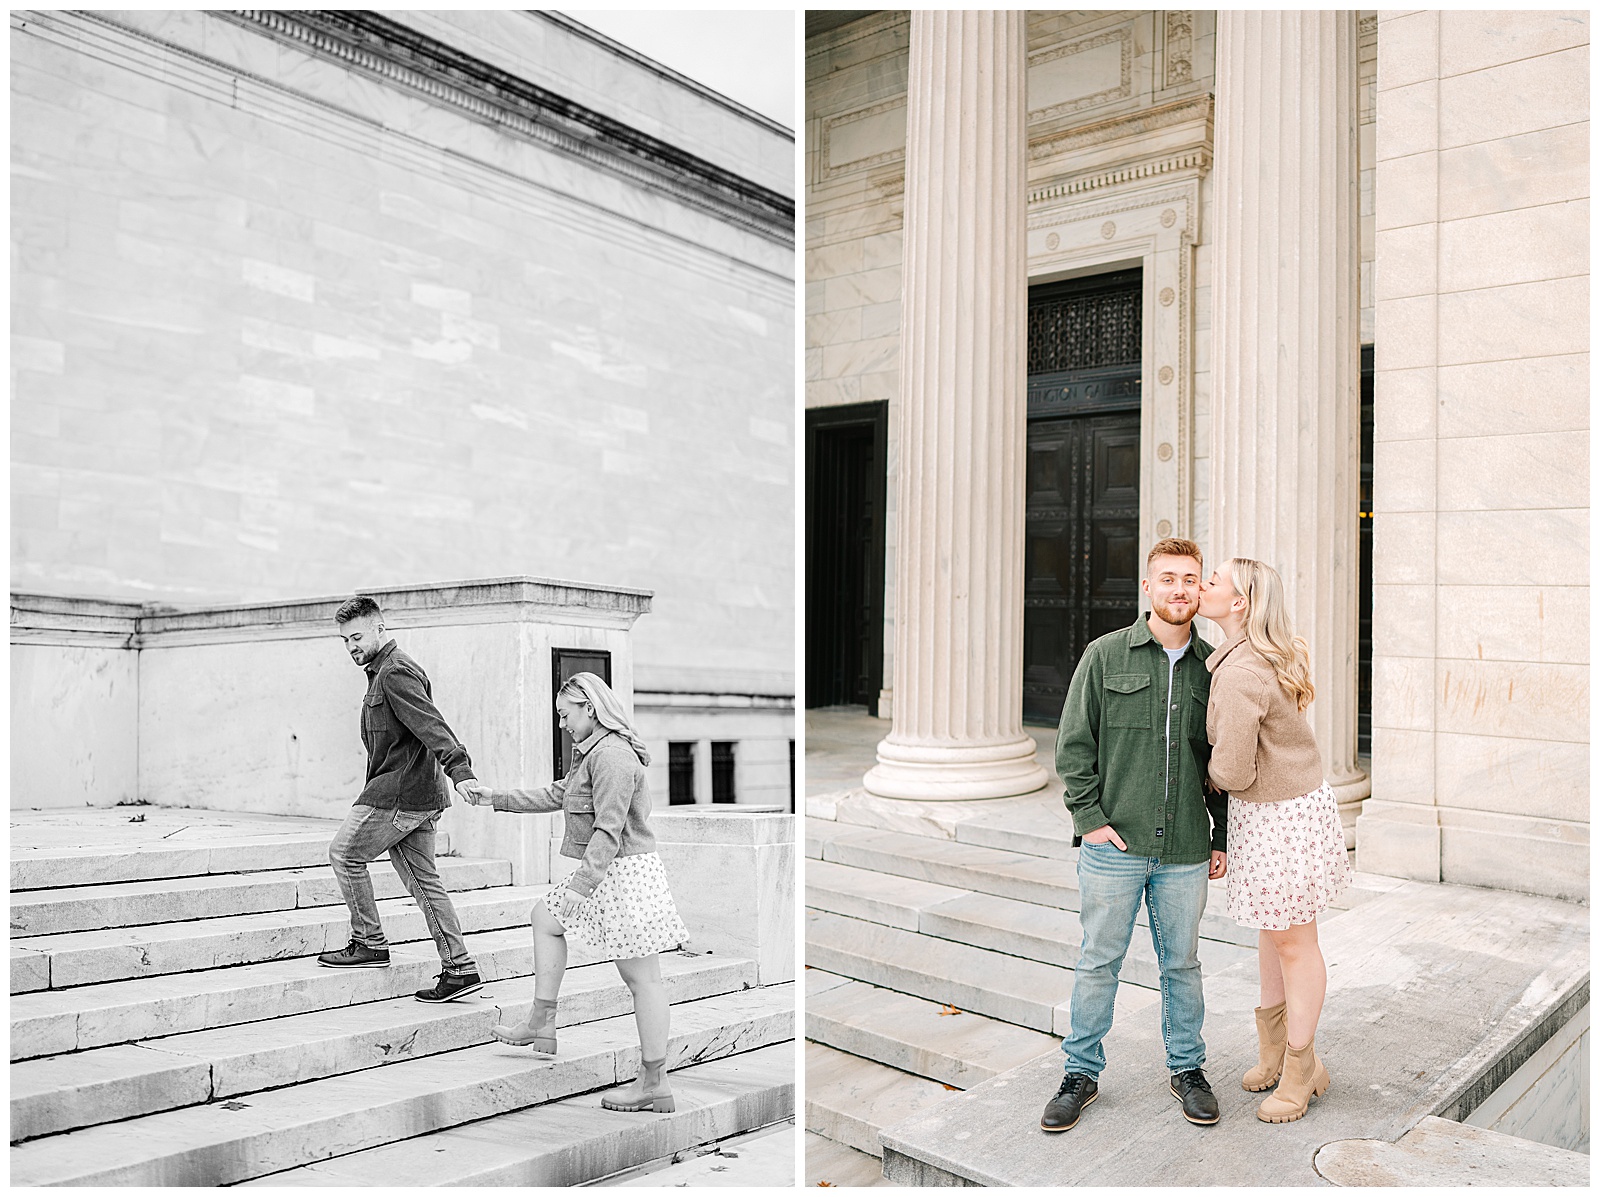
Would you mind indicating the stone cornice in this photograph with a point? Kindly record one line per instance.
(37, 619)
(1197, 109)
(398, 55)
(1171, 139)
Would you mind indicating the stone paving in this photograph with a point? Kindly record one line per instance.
(935, 931)
(169, 1025)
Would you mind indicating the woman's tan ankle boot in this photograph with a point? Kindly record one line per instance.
(1304, 1077)
(539, 1032)
(1274, 1038)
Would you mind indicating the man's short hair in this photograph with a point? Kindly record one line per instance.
(1174, 546)
(357, 608)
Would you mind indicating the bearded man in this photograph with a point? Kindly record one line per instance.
(1132, 752)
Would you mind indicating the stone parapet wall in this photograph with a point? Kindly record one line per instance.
(256, 708)
(1481, 672)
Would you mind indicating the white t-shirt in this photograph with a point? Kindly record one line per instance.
(1172, 663)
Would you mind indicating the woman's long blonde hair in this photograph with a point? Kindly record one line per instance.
(1266, 626)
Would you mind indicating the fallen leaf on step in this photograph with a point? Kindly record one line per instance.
(944, 1010)
(952, 1088)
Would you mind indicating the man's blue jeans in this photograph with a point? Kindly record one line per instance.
(1111, 884)
(407, 836)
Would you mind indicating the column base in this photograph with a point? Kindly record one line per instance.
(1350, 791)
(956, 772)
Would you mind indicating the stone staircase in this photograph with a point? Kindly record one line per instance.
(939, 954)
(170, 1025)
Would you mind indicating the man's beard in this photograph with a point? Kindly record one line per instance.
(1166, 614)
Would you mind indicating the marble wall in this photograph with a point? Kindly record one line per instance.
(1480, 653)
(282, 328)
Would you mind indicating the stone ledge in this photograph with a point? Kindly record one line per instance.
(36, 617)
(1440, 1153)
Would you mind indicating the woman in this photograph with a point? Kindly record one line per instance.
(618, 898)
(1286, 853)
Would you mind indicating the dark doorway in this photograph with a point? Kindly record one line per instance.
(1364, 585)
(1082, 564)
(846, 472)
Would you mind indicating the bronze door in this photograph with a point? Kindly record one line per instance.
(1082, 557)
(1082, 561)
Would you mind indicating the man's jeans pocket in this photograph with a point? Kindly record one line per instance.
(407, 821)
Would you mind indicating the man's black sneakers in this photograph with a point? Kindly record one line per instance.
(1194, 1091)
(449, 987)
(356, 955)
(1061, 1111)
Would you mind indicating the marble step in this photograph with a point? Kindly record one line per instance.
(30, 971)
(577, 1141)
(1041, 933)
(1007, 988)
(927, 1039)
(973, 868)
(849, 1099)
(217, 852)
(175, 899)
(48, 1024)
(829, 1164)
(762, 1159)
(58, 1093)
(122, 953)
(267, 1133)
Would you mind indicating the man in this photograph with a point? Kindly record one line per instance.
(407, 743)
(1132, 751)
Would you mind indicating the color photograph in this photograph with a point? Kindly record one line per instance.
(1197, 522)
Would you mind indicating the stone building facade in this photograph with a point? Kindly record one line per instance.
(310, 303)
(1285, 283)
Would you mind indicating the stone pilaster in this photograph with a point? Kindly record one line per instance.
(1285, 437)
(958, 597)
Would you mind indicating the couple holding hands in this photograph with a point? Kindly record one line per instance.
(617, 900)
(1185, 763)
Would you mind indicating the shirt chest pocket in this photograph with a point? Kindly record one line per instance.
(374, 713)
(1127, 700)
(1198, 704)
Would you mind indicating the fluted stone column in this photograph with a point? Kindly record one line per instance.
(1285, 433)
(958, 593)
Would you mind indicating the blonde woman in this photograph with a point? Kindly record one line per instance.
(1286, 853)
(618, 898)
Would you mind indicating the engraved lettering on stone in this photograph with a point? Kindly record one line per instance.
(1167, 296)
(1164, 451)
(1165, 376)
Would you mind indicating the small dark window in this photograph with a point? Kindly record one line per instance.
(722, 770)
(680, 773)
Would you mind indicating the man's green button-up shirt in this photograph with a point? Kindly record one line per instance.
(1112, 751)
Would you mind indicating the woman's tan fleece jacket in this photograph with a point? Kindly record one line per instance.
(1262, 749)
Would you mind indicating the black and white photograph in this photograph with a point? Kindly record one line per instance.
(403, 598)
(1197, 680)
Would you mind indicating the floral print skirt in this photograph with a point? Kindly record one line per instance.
(630, 913)
(1286, 860)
